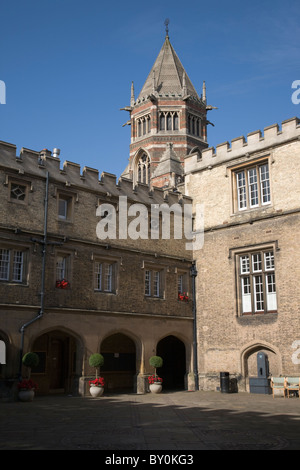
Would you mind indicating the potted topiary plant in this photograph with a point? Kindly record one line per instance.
(27, 387)
(97, 385)
(155, 382)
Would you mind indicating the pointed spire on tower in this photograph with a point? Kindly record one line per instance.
(169, 73)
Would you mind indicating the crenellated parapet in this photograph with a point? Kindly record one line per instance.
(32, 164)
(256, 142)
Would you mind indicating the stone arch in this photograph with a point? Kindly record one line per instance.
(174, 370)
(119, 349)
(10, 353)
(248, 358)
(4, 344)
(61, 354)
(197, 151)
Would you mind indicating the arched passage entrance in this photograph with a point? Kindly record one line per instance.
(249, 361)
(119, 369)
(56, 372)
(172, 350)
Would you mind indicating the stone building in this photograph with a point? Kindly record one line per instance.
(248, 276)
(85, 264)
(121, 294)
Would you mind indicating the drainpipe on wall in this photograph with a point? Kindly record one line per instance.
(194, 273)
(41, 312)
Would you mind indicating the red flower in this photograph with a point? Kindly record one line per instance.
(152, 379)
(63, 284)
(97, 382)
(27, 385)
(184, 297)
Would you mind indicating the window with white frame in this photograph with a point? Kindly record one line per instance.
(252, 186)
(63, 270)
(13, 265)
(182, 283)
(153, 283)
(65, 207)
(182, 286)
(105, 276)
(257, 282)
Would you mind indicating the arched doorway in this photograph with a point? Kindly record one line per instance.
(56, 371)
(172, 350)
(249, 362)
(119, 369)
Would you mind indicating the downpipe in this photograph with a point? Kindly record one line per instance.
(193, 273)
(41, 312)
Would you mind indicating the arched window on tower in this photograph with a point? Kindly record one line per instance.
(143, 169)
(143, 125)
(194, 125)
(175, 122)
(169, 121)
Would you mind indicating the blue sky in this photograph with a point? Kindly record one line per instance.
(68, 67)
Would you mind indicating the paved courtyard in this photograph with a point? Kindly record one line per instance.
(175, 421)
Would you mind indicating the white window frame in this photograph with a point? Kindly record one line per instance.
(13, 265)
(153, 283)
(62, 208)
(252, 186)
(257, 281)
(65, 206)
(105, 272)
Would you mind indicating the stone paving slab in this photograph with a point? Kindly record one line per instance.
(174, 421)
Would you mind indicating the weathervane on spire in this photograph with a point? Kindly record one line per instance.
(167, 21)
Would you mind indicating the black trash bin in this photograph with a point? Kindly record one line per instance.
(224, 382)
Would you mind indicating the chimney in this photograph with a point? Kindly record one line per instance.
(56, 153)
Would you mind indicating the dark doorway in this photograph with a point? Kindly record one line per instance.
(56, 370)
(119, 367)
(172, 351)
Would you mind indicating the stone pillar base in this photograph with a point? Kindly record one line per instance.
(142, 385)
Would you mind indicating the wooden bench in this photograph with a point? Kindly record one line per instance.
(286, 384)
(278, 383)
(292, 384)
